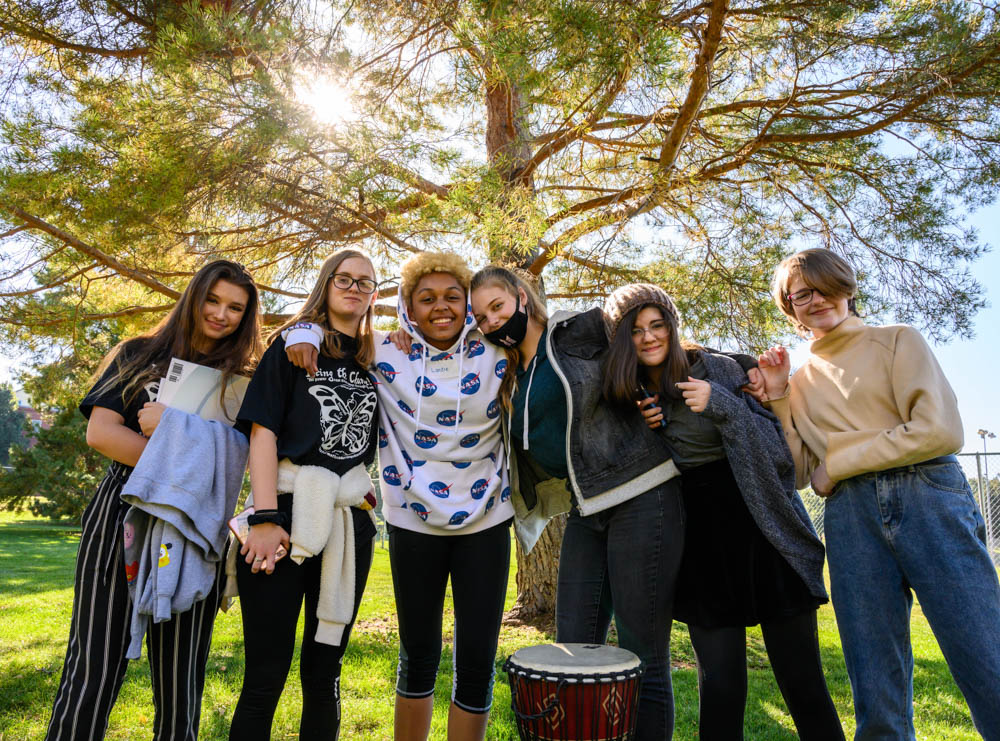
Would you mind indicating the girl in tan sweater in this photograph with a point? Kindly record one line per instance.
(873, 425)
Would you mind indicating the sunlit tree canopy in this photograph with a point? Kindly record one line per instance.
(692, 144)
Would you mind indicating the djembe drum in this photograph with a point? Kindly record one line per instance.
(574, 692)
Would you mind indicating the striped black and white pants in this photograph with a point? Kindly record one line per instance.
(95, 663)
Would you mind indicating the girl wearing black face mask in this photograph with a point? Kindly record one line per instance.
(568, 450)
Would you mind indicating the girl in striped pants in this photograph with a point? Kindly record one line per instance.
(214, 323)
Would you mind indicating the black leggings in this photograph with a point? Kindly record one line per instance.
(270, 605)
(479, 565)
(793, 649)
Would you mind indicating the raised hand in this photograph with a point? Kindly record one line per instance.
(696, 393)
(775, 366)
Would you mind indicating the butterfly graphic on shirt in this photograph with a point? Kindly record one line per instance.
(346, 422)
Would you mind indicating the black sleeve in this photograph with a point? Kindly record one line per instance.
(746, 362)
(267, 394)
(105, 394)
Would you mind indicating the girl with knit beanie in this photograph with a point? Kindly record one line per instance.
(567, 446)
(873, 425)
(751, 555)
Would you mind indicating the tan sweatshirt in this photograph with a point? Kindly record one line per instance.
(868, 399)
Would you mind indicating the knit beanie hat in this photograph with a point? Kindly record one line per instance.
(626, 298)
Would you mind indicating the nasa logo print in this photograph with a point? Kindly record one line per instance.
(440, 489)
(447, 418)
(492, 456)
(505, 494)
(425, 386)
(479, 488)
(493, 409)
(443, 356)
(416, 350)
(500, 367)
(425, 439)
(461, 464)
(383, 439)
(408, 459)
(476, 348)
(469, 440)
(388, 372)
(391, 476)
(420, 509)
(405, 407)
(489, 503)
(470, 384)
(458, 518)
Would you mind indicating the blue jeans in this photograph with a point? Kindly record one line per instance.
(624, 562)
(888, 535)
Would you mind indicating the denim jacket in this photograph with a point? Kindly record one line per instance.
(611, 456)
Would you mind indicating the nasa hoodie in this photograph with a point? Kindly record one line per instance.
(441, 455)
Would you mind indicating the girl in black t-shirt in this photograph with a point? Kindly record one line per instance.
(319, 429)
(214, 323)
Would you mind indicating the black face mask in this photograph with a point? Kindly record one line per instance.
(513, 330)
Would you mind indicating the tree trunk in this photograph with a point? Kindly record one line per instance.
(509, 150)
(536, 578)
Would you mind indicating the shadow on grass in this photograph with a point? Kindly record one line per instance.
(36, 557)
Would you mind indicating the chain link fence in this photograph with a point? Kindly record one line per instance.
(983, 473)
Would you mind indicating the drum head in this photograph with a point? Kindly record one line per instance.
(575, 658)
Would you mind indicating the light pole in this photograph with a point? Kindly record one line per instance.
(985, 490)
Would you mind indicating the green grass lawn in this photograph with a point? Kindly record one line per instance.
(36, 584)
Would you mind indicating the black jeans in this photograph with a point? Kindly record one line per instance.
(478, 564)
(793, 649)
(270, 605)
(623, 562)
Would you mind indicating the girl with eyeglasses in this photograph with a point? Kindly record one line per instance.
(311, 438)
(215, 323)
(751, 556)
(873, 425)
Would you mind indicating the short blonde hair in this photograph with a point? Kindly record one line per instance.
(818, 268)
(425, 263)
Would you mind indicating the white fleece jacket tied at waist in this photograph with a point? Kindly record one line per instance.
(322, 522)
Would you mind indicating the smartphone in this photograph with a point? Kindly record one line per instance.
(241, 529)
(644, 394)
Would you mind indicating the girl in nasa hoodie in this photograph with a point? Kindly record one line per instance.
(445, 492)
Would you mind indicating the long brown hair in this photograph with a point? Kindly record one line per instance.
(623, 374)
(144, 359)
(315, 310)
(510, 282)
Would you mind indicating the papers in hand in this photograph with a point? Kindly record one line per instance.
(194, 389)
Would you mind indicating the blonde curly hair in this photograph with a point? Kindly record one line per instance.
(425, 263)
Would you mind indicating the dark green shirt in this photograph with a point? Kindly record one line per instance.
(694, 438)
(548, 416)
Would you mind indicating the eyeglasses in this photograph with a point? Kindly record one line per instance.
(803, 297)
(659, 330)
(344, 282)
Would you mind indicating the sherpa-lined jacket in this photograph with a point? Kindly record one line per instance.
(611, 456)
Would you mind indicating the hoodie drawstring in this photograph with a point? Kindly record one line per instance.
(527, 401)
(423, 379)
(458, 404)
